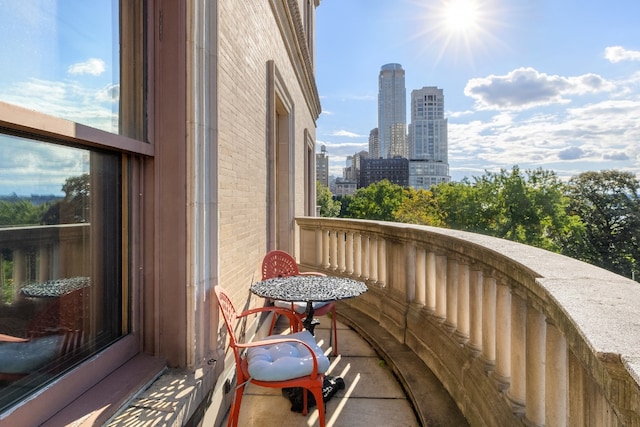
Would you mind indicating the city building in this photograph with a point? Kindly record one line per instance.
(197, 143)
(392, 111)
(322, 166)
(394, 170)
(428, 139)
(374, 144)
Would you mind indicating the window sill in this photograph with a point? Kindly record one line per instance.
(102, 401)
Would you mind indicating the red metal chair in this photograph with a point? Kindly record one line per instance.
(278, 361)
(278, 263)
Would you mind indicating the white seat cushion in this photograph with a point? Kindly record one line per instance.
(299, 306)
(285, 361)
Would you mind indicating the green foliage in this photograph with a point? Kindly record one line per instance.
(20, 212)
(378, 201)
(608, 203)
(328, 206)
(419, 207)
(527, 207)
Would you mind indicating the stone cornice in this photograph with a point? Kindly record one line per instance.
(287, 14)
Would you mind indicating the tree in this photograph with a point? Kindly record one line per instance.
(419, 207)
(324, 199)
(527, 207)
(608, 203)
(378, 201)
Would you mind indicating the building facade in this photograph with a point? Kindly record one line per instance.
(394, 170)
(322, 166)
(392, 111)
(428, 138)
(374, 144)
(178, 139)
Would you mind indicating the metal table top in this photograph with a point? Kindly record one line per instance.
(309, 288)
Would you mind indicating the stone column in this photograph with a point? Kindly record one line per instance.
(475, 306)
(325, 248)
(517, 389)
(373, 258)
(536, 348)
(341, 258)
(489, 298)
(431, 281)
(410, 270)
(462, 332)
(556, 378)
(349, 253)
(366, 246)
(382, 262)
(333, 256)
(319, 250)
(452, 294)
(441, 287)
(502, 373)
(421, 270)
(357, 254)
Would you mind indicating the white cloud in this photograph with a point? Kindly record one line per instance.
(526, 88)
(92, 66)
(346, 134)
(618, 53)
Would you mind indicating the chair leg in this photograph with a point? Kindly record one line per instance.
(234, 414)
(317, 394)
(334, 331)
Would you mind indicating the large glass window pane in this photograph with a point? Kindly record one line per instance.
(62, 58)
(60, 260)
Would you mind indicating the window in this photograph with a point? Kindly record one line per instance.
(64, 254)
(60, 269)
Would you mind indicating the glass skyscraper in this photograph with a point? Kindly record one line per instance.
(392, 112)
(428, 142)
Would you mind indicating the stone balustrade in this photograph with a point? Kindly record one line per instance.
(517, 335)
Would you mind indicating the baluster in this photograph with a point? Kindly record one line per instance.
(535, 380)
(517, 388)
(475, 306)
(462, 332)
(489, 322)
(421, 271)
(326, 237)
(502, 373)
(333, 257)
(431, 281)
(340, 243)
(349, 253)
(366, 244)
(357, 252)
(452, 294)
(319, 242)
(373, 258)
(441, 287)
(556, 378)
(382, 262)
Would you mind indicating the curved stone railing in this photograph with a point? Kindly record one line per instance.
(516, 334)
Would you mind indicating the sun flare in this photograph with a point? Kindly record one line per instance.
(456, 30)
(460, 16)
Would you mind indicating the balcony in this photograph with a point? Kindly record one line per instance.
(515, 334)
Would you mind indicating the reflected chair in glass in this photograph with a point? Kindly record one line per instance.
(278, 263)
(278, 361)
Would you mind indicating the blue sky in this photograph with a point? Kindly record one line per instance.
(534, 83)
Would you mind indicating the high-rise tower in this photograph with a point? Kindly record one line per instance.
(428, 142)
(392, 112)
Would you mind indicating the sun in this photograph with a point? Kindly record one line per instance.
(458, 31)
(460, 16)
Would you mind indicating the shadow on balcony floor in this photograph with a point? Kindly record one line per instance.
(372, 395)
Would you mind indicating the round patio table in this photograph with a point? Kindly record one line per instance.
(309, 289)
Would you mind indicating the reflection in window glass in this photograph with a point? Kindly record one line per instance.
(60, 260)
(63, 59)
